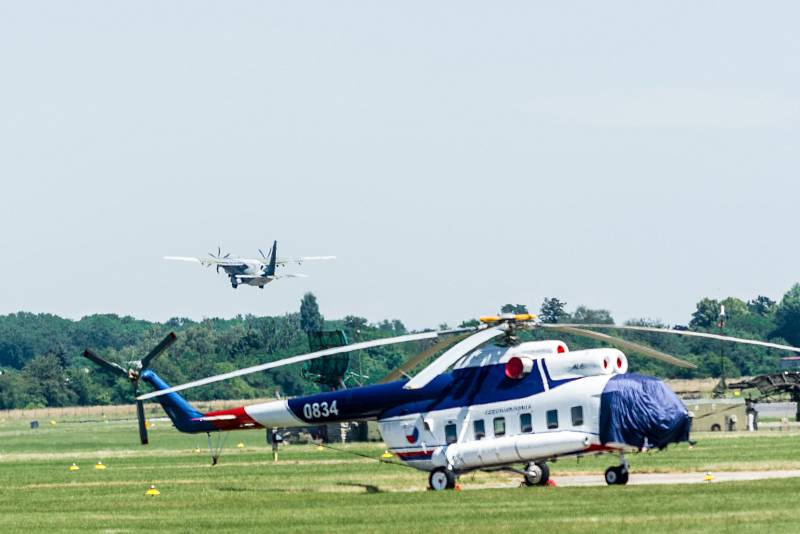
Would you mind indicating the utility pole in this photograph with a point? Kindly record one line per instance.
(719, 390)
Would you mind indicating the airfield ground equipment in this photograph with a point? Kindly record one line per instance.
(770, 386)
(716, 415)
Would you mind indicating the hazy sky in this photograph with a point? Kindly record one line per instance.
(454, 155)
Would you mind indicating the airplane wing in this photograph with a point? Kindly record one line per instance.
(299, 261)
(266, 279)
(208, 261)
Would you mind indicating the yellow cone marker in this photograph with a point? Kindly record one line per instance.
(152, 491)
(709, 477)
(99, 466)
(386, 454)
(240, 445)
(52, 423)
(74, 467)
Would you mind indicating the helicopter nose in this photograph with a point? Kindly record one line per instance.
(641, 411)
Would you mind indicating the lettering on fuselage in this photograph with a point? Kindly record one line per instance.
(517, 408)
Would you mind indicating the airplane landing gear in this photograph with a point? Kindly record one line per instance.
(618, 474)
(441, 479)
(536, 474)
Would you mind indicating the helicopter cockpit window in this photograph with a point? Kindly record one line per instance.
(577, 415)
(450, 433)
(525, 423)
(552, 418)
(486, 355)
(499, 426)
(479, 429)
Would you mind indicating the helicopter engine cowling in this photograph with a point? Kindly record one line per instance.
(589, 362)
(509, 449)
(620, 364)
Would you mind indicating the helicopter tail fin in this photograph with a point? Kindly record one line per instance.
(184, 416)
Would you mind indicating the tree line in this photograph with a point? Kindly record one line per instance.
(41, 361)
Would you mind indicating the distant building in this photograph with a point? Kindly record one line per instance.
(790, 362)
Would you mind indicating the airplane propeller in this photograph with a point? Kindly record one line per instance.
(218, 256)
(133, 374)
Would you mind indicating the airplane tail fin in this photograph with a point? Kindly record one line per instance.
(273, 258)
(183, 415)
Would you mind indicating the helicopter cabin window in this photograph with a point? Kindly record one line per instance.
(499, 426)
(479, 429)
(450, 433)
(552, 418)
(525, 423)
(577, 415)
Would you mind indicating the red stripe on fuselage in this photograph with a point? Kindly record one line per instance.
(242, 420)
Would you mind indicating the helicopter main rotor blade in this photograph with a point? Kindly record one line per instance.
(142, 422)
(689, 333)
(455, 353)
(111, 366)
(408, 365)
(291, 360)
(623, 344)
(159, 349)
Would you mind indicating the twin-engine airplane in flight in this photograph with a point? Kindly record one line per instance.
(250, 271)
(505, 403)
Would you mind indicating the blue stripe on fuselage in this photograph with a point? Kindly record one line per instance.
(462, 387)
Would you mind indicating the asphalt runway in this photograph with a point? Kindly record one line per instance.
(644, 479)
(649, 479)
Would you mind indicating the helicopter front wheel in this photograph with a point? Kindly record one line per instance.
(536, 474)
(441, 479)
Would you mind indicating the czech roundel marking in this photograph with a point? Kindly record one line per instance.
(413, 436)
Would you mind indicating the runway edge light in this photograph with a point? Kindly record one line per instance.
(99, 466)
(152, 491)
(74, 467)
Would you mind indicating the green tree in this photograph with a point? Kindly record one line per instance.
(514, 308)
(787, 316)
(761, 305)
(734, 307)
(706, 314)
(589, 316)
(310, 318)
(49, 382)
(552, 311)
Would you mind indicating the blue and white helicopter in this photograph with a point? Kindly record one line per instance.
(505, 405)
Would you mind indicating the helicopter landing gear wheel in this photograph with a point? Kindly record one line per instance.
(617, 475)
(536, 474)
(441, 479)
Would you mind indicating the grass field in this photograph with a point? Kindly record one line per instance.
(330, 491)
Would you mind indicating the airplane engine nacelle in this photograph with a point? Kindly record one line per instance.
(589, 362)
(509, 449)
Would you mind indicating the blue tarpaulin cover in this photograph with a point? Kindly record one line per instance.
(635, 408)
